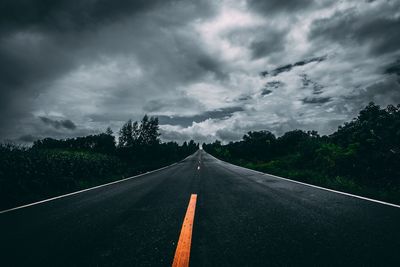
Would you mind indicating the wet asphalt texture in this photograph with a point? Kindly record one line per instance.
(243, 218)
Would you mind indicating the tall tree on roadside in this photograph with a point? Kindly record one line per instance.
(148, 131)
(153, 137)
(135, 132)
(126, 135)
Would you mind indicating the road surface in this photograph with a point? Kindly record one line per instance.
(242, 218)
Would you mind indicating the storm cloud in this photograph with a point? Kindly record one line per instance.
(378, 30)
(66, 124)
(289, 67)
(393, 68)
(273, 6)
(70, 68)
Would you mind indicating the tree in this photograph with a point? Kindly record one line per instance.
(109, 131)
(259, 138)
(291, 141)
(192, 146)
(148, 131)
(259, 144)
(126, 135)
(135, 132)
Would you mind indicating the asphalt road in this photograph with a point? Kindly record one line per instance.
(242, 218)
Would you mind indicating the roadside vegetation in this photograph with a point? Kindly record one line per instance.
(362, 157)
(52, 167)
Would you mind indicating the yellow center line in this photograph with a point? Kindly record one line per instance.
(182, 252)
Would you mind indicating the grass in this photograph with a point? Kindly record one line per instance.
(388, 193)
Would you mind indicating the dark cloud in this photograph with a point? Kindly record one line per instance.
(179, 103)
(265, 91)
(393, 68)
(274, 6)
(382, 92)
(261, 41)
(42, 42)
(289, 67)
(281, 69)
(57, 124)
(273, 43)
(64, 15)
(316, 100)
(186, 121)
(27, 63)
(244, 97)
(100, 62)
(376, 29)
(274, 84)
(306, 61)
(210, 64)
(28, 138)
(308, 83)
(270, 86)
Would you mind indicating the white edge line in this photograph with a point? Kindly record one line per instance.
(315, 186)
(91, 188)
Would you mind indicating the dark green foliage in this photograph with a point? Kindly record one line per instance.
(126, 134)
(138, 134)
(148, 131)
(101, 143)
(52, 167)
(362, 156)
(31, 174)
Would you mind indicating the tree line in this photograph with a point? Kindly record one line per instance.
(362, 156)
(52, 167)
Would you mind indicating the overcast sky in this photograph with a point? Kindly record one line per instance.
(208, 69)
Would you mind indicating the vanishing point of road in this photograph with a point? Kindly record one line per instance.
(241, 218)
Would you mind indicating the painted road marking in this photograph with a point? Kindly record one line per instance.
(182, 252)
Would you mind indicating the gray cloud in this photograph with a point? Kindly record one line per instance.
(57, 124)
(186, 121)
(274, 84)
(244, 97)
(376, 29)
(270, 87)
(289, 67)
(195, 64)
(180, 137)
(393, 68)
(66, 15)
(229, 135)
(273, 6)
(308, 83)
(209, 64)
(28, 138)
(265, 91)
(261, 41)
(47, 42)
(382, 92)
(160, 105)
(316, 100)
(274, 41)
